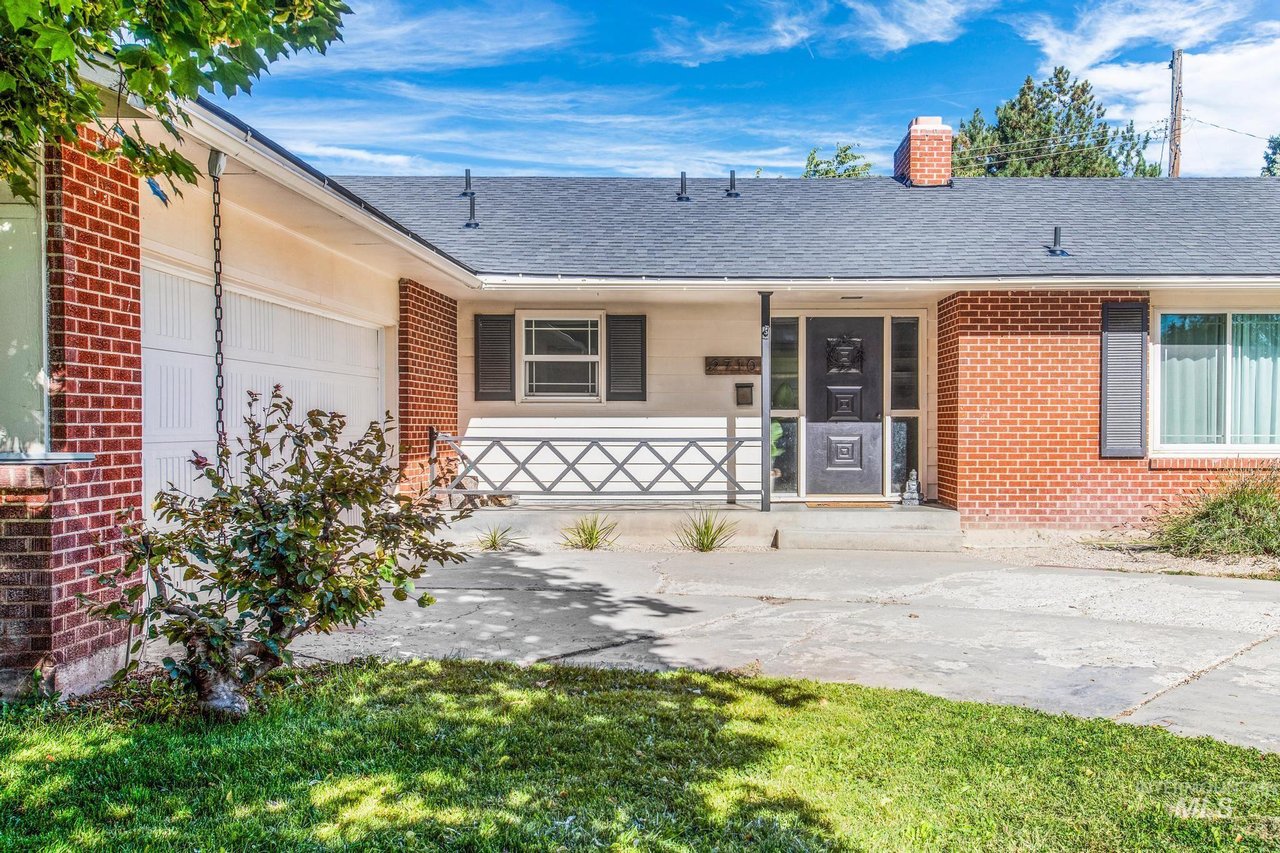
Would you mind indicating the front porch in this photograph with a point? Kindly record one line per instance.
(788, 526)
(740, 398)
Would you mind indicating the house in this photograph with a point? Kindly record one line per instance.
(1037, 353)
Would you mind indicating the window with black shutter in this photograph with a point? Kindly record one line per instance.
(1124, 380)
(625, 353)
(495, 357)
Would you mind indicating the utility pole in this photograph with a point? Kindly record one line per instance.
(1175, 117)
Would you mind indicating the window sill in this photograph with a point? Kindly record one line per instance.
(1212, 463)
(589, 401)
(45, 458)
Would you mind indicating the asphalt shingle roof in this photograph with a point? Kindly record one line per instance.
(871, 228)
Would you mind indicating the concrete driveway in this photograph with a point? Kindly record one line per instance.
(1196, 655)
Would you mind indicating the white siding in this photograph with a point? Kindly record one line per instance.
(682, 400)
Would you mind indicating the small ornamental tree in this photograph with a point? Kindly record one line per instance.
(844, 163)
(302, 537)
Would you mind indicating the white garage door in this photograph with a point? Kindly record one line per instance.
(320, 362)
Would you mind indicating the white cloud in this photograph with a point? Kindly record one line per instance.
(550, 128)
(1236, 85)
(386, 35)
(780, 26)
(1229, 80)
(894, 26)
(817, 25)
(1104, 30)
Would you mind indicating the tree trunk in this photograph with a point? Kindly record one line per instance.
(220, 695)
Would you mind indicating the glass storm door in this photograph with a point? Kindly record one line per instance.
(844, 406)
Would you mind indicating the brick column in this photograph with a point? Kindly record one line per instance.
(427, 358)
(53, 518)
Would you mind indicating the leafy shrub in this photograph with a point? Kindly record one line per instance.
(300, 539)
(1237, 517)
(590, 533)
(495, 538)
(705, 530)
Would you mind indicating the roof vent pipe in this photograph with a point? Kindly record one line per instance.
(683, 195)
(467, 192)
(472, 222)
(732, 192)
(1056, 249)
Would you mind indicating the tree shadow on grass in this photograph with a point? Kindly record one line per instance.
(429, 755)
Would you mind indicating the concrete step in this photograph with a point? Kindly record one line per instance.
(868, 540)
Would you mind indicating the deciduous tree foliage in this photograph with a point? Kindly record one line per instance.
(154, 54)
(301, 534)
(1271, 158)
(844, 163)
(1055, 128)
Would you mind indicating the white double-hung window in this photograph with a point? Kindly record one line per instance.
(1219, 381)
(561, 356)
(22, 323)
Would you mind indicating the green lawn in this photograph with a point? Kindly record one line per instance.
(487, 756)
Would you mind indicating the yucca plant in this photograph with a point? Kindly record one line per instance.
(589, 533)
(705, 530)
(495, 538)
(1237, 517)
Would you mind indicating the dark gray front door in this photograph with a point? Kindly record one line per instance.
(844, 404)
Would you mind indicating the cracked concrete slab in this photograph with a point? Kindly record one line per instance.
(1046, 661)
(1197, 655)
(1238, 701)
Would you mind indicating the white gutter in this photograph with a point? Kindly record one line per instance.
(244, 147)
(529, 282)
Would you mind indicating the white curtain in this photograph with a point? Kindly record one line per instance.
(1255, 359)
(22, 427)
(1192, 378)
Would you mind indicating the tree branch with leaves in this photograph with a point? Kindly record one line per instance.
(303, 537)
(155, 55)
(1271, 158)
(845, 162)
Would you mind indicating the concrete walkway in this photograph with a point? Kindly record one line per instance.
(1196, 655)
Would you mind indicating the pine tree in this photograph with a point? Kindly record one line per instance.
(1056, 128)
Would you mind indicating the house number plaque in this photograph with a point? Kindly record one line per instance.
(733, 365)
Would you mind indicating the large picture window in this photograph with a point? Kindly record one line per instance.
(561, 358)
(1219, 380)
(22, 358)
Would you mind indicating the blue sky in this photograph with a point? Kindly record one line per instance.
(571, 87)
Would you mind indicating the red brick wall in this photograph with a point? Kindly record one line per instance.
(55, 518)
(1018, 429)
(428, 372)
(923, 159)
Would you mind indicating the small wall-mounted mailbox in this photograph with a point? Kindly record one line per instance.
(744, 393)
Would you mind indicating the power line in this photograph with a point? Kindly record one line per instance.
(1230, 129)
(1022, 143)
(1000, 161)
(1046, 143)
(1028, 153)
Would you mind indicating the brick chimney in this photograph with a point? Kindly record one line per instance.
(924, 157)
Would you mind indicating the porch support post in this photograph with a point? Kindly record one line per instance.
(766, 402)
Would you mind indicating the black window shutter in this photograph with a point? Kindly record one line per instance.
(1124, 380)
(625, 352)
(495, 357)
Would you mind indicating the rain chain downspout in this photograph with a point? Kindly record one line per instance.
(217, 163)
